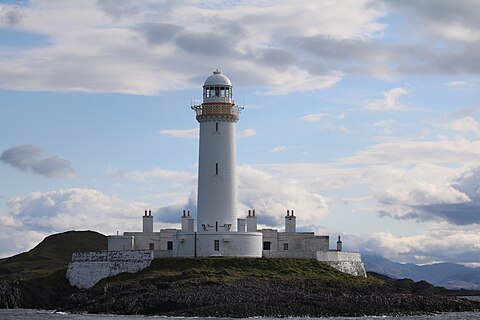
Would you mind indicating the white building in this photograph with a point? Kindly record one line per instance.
(219, 230)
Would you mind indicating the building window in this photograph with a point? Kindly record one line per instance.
(216, 245)
(266, 245)
(151, 246)
(285, 246)
(216, 168)
(169, 245)
(216, 127)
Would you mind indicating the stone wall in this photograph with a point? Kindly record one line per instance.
(348, 262)
(87, 268)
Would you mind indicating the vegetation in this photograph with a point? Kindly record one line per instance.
(52, 254)
(232, 269)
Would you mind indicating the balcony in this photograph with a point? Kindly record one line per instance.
(217, 110)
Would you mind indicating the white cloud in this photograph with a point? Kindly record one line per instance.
(411, 152)
(179, 133)
(391, 101)
(271, 195)
(464, 125)
(313, 117)
(247, 133)
(75, 208)
(146, 47)
(156, 173)
(440, 243)
(279, 149)
(457, 83)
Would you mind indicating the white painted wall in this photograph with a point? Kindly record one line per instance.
(231, 244)
(348, 262)
(217, 193)
(87, 268)
(118, 243)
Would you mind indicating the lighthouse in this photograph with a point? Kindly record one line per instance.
(217, 183)
(219, 229)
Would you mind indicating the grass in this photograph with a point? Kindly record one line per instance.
(52, 254)
(231, 269)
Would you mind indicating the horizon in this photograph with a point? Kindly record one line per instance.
(362, 116)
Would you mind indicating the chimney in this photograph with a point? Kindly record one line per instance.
(339, 244)
(290, 222)
(148, 222)
(251, 222)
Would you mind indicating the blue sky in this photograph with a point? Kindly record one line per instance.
(361, 115)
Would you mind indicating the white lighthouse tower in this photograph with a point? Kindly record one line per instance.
(217, 232)
(217, 184)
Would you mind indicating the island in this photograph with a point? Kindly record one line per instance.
(213, 287)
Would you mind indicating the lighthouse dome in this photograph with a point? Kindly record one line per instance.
(218, 79)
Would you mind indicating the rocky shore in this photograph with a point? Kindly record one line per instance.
(245, 297)
(263, 297)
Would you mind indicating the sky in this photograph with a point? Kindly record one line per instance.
(360, 115)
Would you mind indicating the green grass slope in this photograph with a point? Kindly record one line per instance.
(52, 254)
(232, 269)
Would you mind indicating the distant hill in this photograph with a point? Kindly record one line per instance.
(52, 254)
(448, 275)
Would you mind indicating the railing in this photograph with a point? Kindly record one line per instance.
(218, 111)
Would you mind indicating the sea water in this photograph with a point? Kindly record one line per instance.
(28, 314)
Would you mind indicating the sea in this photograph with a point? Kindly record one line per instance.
(29, 314)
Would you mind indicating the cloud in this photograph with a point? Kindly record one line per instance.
(313, 117)
(456, 83)
(29, 158)
(179, 133)
(247, 133)
(391, 101)
(412, 152)
(271, 195)
(156, 173)
(11, 15)
(451, 21)
(280, 149)
(158, 44)
(75, 208)
(172, 213)
(441, 242)
(464, 125)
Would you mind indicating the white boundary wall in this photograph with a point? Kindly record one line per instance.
(87, 268)
(348, 262)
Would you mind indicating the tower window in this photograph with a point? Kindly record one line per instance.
(151, 246)
(169, 245)
(216, 245)
(216, 127)
(216, 168)
(285, 246)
